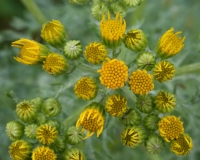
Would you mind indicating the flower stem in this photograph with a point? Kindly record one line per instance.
(87, 68)
(35, 11)
(188, 69)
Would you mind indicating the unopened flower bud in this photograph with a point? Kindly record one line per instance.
(30, 131)
(51, 107)
(59, 145)
(151, 122)
(40, 118)
(132, 3)
(37, 102)
(73, 49)
(118, 7)
(80, 2)
(98, 10)
(145, 103)
(74, 136)
(14, 130)
(54, 123)
(73, 154)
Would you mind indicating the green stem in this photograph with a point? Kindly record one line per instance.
(188, 69)
(35, 11)
(87, 68)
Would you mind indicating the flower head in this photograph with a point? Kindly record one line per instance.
(170, 128)
(59, 145)
(144, 103)
(46, 134)
(20, 150)
(135, 40)
(165, 101)
(98, 10)
(132, 3)
(182, 145)
(114, 73)
(133, 136)
(170, 44)
(118, 7)
(74, 135)
(31, 52)
(73, 49)
(74, 154)
(112, 30)
(86, 88)
(14, 130)
(92, 119)
(55, 64)
(95, 53)
(141, 82)
(116, 105)
(43, 153)
(53, 32)
(151, 122)
(163, 71)
(30, 130)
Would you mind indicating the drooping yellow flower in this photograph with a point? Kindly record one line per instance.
(170, 128)
(116, 105)
(46, 134)
(112, 30)
(165, 101)
(182, 145)
(20, 150)
(141, 82)
(43, 153)
(170, 44)
(53, 32)
(163, 71)
(55, 64)
(114, 73)
(31, 52)
(95, 52)
(86, 88)
(92, 119)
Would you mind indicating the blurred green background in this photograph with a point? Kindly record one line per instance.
(29, 82)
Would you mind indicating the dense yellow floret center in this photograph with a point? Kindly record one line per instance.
(18, 151)
(130, 137)
(43, 153)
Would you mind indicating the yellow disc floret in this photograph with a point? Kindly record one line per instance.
(170, 127)
(163, 71)
(95, 53)
(43, 153)
(141, 82)
(116, 105)
(114, 73)
(86, 88)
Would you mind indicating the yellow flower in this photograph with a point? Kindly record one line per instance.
(116, 105)
(55, 64)
(20, 150)
(170, 128)
(73, 154)
(46, 134)
(165, 101)
(91, 119)
(114, 73)
(53, 32)
(112, 30)
(182, 145)
(163, 71)
(86, 88)
(170, 44)
(43, 153)
(31, 52)
(95, 53)
(141, 82)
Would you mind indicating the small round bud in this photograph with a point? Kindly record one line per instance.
(54, 123)
(51, 107)
(59, 145)
(145, 60)
(145, 103)
(26, 111)
(118, 7)
(132, 3)
(154, 144)
(40, 118)
(37, 102)
(14, 130)
(151, 122)
(30, 131)
(131, 117)
(73, 49)
(74, 136)
(98, 10)
(135, 40)
(80, 2)
(73, 154)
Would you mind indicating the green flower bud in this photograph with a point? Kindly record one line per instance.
(118, 7)
(37, 102)
(20, 150)
(135, 40)
(14, 130)
(51, 107)
(151, 122)
(74, 136)
(73, 154)
(131, 117)
(73, 49)
(59, 145)
(154, 144)
(132, 3)
(30, 130)
(98, 10)
(40, 118)
(145, 60)
(54, 123)
(145, 103)
(80, 2)
(26, 111)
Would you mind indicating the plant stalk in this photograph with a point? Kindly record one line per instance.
(188, 69)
